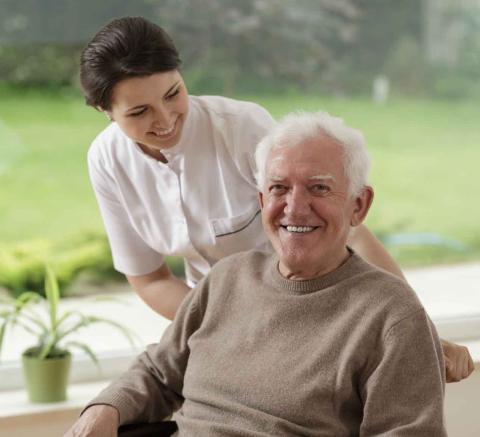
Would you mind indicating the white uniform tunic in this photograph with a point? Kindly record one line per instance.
(202, 205)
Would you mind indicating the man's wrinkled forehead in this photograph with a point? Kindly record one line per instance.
(284, 161)
(279, 177)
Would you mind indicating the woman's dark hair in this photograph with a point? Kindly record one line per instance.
(126, 47)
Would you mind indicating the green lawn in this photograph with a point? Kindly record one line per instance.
(424, 154)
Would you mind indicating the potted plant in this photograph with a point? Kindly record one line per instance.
(46, 365)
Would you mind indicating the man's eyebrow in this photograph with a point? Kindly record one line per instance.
(276, 178)
(322, 177)
(166, 94)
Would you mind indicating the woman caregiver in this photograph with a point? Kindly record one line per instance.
(173, 174)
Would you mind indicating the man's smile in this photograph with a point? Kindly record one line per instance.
(299, 229)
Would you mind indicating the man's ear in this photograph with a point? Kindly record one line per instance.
(363, 201)
(260, 199)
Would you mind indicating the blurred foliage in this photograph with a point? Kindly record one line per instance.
(46, 65)
(22, 265)
(334, 47)
(250, 43)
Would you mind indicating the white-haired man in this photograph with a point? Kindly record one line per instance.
(308, 340)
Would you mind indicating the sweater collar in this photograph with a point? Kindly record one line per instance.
(348, 269)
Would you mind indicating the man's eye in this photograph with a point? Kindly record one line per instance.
(173, 94)
(277, 189)
(320, 188)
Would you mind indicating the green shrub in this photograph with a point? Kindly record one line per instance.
(22, 264)
(41, 64)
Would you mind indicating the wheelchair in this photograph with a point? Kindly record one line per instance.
(157, 429)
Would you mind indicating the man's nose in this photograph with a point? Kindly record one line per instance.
(297, 203)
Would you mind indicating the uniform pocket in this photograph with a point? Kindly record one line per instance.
(223, 227)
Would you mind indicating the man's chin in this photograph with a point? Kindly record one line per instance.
(293, 265)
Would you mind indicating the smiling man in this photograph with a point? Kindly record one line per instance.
(308, 340)
(309, 204)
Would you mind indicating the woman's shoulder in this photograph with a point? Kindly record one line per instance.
(107, 142)
(226, 107)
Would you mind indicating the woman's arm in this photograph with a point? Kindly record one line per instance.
(161, 290)
(370, 248)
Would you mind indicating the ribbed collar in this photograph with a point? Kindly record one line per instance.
(348, 269)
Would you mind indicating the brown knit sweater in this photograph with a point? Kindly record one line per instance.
(251, 353)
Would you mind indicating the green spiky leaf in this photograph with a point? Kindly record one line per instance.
(53, 294)
(85, 348)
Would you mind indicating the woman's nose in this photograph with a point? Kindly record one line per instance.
(162, 118)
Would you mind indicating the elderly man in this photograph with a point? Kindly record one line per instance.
(309, 340)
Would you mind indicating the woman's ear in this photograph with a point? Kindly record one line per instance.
(108, 114)
(363, 201)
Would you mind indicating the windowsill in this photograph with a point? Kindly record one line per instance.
(14, 404)
(451, 296)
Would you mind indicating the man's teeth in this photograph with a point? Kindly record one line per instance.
(300, 228)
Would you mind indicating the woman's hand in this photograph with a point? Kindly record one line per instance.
(458, 361)
(96, 421)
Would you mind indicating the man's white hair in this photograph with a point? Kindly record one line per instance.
(298, 127)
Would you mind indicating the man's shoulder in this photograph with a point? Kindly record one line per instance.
(386, 292)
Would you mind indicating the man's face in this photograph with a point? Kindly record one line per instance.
(307, 210)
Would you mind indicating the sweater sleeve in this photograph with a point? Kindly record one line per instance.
(404, 394)
(151, 389)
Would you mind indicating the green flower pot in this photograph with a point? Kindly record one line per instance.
(47, 378)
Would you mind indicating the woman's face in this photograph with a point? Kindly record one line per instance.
(151, 110)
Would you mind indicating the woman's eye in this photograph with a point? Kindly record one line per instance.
(173, 94)
(136, 114)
